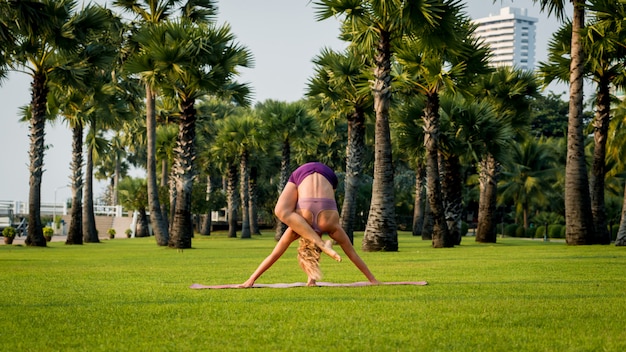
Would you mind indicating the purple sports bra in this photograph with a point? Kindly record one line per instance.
(310, 168)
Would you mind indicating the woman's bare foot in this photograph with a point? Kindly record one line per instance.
(311, 282)
(247, 284)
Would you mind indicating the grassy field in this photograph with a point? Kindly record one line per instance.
(130, 295)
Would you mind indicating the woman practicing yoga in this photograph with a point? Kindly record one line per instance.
(307, 205)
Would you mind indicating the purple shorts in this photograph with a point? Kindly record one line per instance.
(310, 168)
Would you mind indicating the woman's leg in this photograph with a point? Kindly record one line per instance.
(288, 237)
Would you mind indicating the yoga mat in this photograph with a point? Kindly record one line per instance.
(303, 284)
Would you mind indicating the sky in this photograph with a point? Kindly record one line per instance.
(283, 37)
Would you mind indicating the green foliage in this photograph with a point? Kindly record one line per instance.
(48, 231)
(111, 232)
(540, 231)
(517, 288)
(549, 115)
(520, 231)
(556, 231)
(510, 230)
(613, 231)
(464, 228)
(8, 232)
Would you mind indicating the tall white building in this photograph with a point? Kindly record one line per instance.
(510, 36)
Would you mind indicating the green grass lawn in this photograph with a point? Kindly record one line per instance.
(131, 295)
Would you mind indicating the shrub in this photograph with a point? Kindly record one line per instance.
(520, 232)
(8, 232)
(556, 231)
(509, 230)
(48, 231)
(541, 230)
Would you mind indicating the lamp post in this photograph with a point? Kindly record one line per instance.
(54, 208)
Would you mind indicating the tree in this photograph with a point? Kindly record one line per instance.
(468, 129)
(528, 179)
(78, 101)
(579, 229)
(408, 131)
(617, 153)
(290, 124)
(210, 113)
(152, 12)
(341, 86)
(549, 116)
(509, 91)
(193, 60)
(378, 27)
(45, 34)
(431, 68)
(133, 193)
(240, 137)
(602, 44)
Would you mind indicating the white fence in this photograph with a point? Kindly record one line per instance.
(21, 208)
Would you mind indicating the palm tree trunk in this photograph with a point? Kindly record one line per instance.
(429, 223)
(90, 233)
(486, 227)
(232, 200)
(37, 124)
(285, 164)
(598, 172)
(159, 226)
(142, 229)
(205, 229)
(253, 189)
(75, 232)
(452, 190)
(116, 179)
(579, 228)
(440, 234)
(355, 151)
(183, 174)
(244, 179)
(419, 206)
(621, 233)
(381, 231)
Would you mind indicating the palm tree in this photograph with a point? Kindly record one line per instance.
(78, 102)
(378, 27)
(602, 43)
(579, 229)
(152, 12)
(210, 112)
(430, 69)
(617, 153)
(193, 60)
(290, 124)
(408, 131)
(341, 86)
(240, 136)
(133, 194)
(509, 91)
(45, 34)
(528, 179)
(467, 128)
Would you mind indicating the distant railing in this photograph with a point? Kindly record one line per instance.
(59, 209)
(21, 208)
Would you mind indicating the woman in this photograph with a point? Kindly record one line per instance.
(307, 205)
